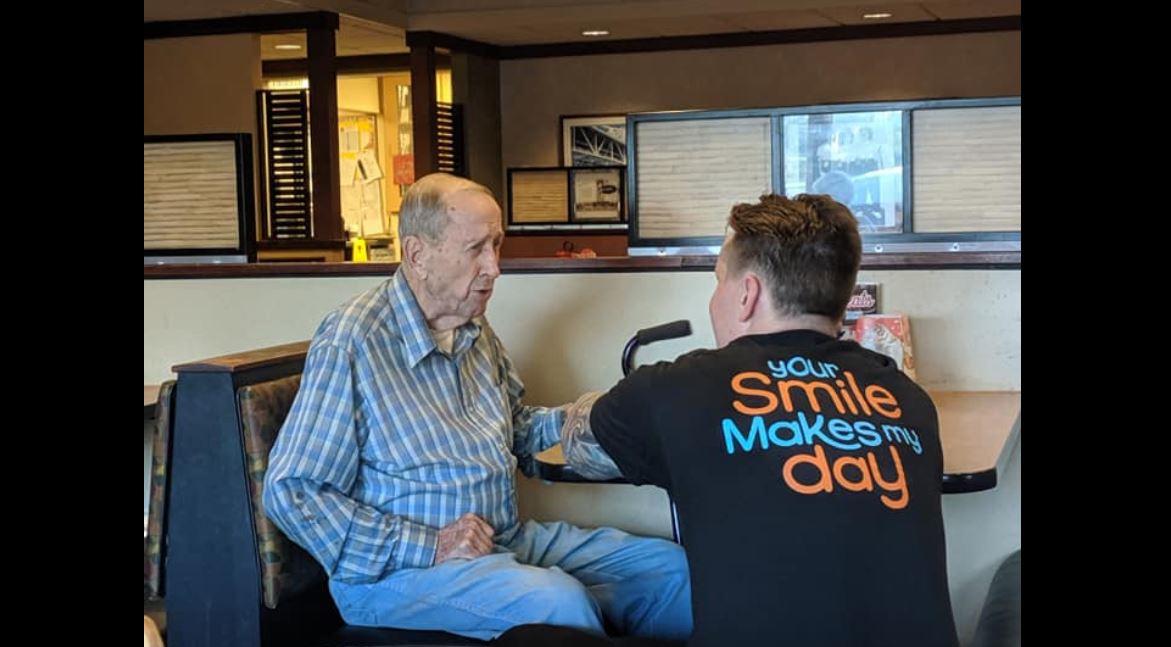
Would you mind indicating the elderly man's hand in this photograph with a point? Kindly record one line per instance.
(468, 538)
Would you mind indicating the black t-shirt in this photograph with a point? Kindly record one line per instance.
(807, 474)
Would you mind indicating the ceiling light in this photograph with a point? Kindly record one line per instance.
(876, 16)
(596, 32)
(287, 46)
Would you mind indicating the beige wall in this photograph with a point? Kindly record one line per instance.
(535, 93)
(566, 331)
(198, 85)
(359, 94)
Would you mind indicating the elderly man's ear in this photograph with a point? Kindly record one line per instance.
(413, 254)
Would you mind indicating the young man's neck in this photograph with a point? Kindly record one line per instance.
(818, 323)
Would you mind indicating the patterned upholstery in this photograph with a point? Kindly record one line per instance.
(157, 516)
(286, 567)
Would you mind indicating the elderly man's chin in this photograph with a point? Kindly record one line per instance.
(478, 301)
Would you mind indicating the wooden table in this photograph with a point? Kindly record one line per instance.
(978, 429)
(150, 397)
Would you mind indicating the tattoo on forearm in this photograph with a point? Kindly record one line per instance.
(581, 448)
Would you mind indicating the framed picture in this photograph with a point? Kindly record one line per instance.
(538, 196)
(597, 194)
(597, 140)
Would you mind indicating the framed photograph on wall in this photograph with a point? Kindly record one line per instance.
(593, 140)
(538, 196)
(597, 194)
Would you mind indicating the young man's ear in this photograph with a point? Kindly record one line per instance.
(750, 293)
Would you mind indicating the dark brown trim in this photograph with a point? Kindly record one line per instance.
(266, 23)
(262, 221)
(568, 232)
(750, 39)
(607, 264)
(247, 360)
(942, 261)
(365, 64)
(715, 41)
(424, 110)
(284, 244)
(910, 261)
(437, 40)
(323, 144)
(266, 270)
(297, 21)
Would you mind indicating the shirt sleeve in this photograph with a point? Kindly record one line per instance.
(624, 422)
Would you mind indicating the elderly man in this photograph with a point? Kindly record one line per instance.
(395, 468)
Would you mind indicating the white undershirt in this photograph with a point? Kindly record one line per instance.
(444, 339)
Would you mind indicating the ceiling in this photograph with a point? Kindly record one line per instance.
(378, 26)
(354, 38)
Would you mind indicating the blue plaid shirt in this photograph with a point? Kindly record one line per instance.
(390, 439)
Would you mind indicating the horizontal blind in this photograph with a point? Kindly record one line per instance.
(189, 195)
(289, 204)
(691, 173)
(967, 169)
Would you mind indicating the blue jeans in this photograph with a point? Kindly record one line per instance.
(550, 573)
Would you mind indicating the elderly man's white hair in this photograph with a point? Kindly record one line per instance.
(424, 208)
